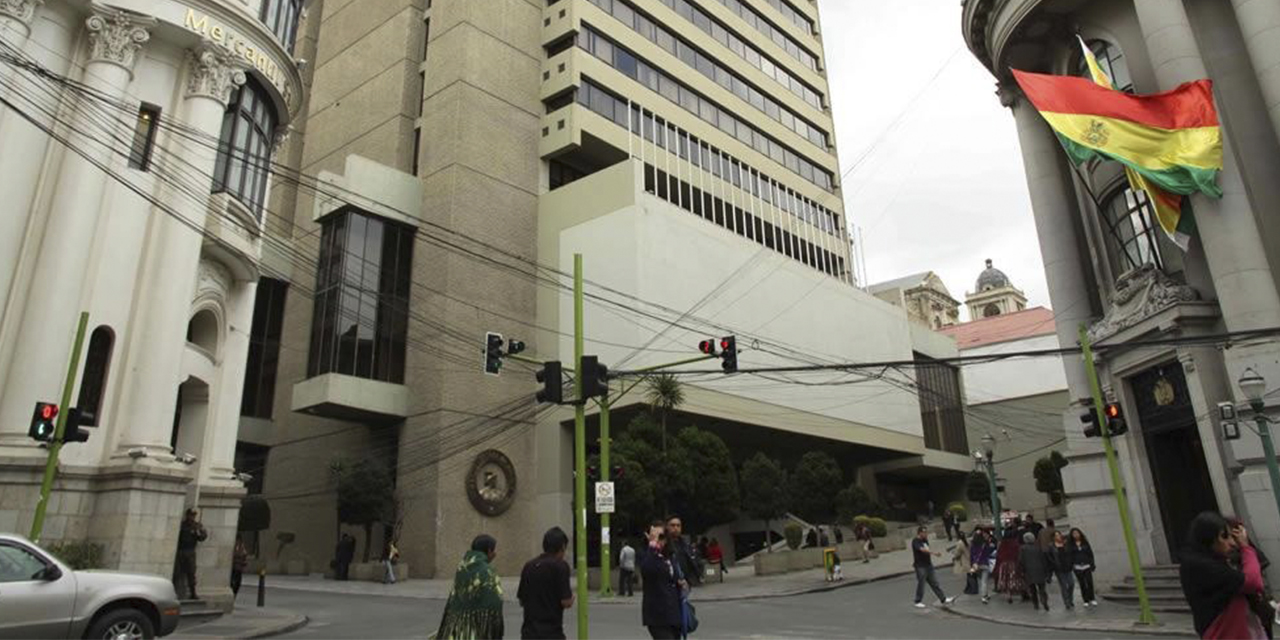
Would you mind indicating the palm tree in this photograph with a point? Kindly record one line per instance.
(664, 394)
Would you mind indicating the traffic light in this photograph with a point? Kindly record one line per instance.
(73, 432)
(1116, 426)
(617, 472)
(514, 347)
(729, 354)
(552, 383)
(42, 422)
(708, 347)
(1092, 428)
(493, 353)
(595, 377)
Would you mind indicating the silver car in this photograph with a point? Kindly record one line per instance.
(40, 597)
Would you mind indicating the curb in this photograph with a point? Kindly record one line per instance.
(292, 625)
(1134, 628)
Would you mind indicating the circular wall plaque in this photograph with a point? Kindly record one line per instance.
(491, 485)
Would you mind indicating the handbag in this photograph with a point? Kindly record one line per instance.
(971, 584)
(690, 617)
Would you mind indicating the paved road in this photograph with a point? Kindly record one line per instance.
(877, 610)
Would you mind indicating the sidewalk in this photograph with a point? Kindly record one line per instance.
(740, 583)
(243, 623)
(1105, 618)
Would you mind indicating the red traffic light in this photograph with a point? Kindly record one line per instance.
(1113, 410)
(724, 344)
(708, 347)
(49, 411)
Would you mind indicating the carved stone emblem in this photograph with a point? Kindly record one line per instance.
(1140, 294)
(21, 10)
(1097, 135)
(214, 281)
(1163, 392)
(491, 484)
(116, 35)
(213, 72)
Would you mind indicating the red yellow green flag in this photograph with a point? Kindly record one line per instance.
(1170, 143)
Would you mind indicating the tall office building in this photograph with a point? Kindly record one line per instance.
(464, 152)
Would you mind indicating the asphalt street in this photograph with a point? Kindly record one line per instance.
(877, 610)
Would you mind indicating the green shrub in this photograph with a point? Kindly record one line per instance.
(78, 555)
(877, 526)
(959, 511)
(793, 533)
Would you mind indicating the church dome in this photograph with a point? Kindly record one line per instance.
(992, 278)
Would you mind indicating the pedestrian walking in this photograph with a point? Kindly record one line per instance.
(343, 554)
(715, 557)
(1044, 537)
(1009, 579)
(544, 592)
(390, 556)
(1218, 592)
(960, 554)
(811, 538)
(474, 607)
(685, 555)
(862, 535)
(1030, 524)
(982, 554)
(191, 534)
(948, 523)
(1035, 570)
(839, 535)
(660, 607)
(1060, 563)
(1082, 566)
(239, 562)
(1262, 604)
(626, 570)
(922, 562)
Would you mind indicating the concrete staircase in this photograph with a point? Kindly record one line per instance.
(1164, 589)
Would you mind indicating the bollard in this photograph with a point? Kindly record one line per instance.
(262, 587)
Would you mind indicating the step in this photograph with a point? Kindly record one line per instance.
(192, 611)
(1155, 578)
(1152, 587)
(1166, 599)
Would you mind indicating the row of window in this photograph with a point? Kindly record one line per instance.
(691, 101)
(718, 73)
(742, 222)
(361, 317)
(941, 406)
(647, 27)
(244, 148)
(759, 23)
(793, 14)
(281, 18)
(706, 157)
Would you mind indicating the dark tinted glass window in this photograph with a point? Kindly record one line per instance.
(281, 17)
(244, 149)
(264, 349)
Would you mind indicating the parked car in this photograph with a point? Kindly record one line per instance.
(40, 597)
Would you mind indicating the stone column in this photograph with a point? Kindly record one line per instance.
(158, 341)
(220, 444)
(15, 28)
(1230, 237)
(1260, 24)
(47, 329)
(1054, 205)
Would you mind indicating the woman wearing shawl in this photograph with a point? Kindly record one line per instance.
(1008, 575)
(474, 609)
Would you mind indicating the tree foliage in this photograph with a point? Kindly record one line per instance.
(853, 501)
(978, 488)
(366, 495)
(764, 492)
(812, 487)
(664, 393)
(712, 498)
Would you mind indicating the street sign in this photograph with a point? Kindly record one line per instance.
(604, 497)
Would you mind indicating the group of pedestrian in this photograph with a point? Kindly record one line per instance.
(1027, 558)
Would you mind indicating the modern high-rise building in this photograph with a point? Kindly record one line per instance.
(462, 153)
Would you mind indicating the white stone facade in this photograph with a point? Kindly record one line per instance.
(165, 270)
(1174, 460)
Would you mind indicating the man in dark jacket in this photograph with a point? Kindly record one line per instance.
(1035, 570)
(190, 534)
(343, 555)
(660, 608)
(684, 553)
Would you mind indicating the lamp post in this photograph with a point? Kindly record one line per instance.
(1254, 386)
(989, 446)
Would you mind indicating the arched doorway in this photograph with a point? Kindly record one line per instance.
(190, 418)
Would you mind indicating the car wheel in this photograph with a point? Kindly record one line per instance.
(122, 624)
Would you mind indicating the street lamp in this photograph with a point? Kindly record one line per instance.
(1254, 387)
(989, 446)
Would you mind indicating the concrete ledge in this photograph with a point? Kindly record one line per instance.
(244, 622)
(346, 397)
(1116, 626)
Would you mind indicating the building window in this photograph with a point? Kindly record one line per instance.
(361, 317)
(941, 407)
(281, 17)
(93, 382)
(244, 149)
(990, 311)
(1130, 222)
(264, 349)
(1112, 63)
(144, 137)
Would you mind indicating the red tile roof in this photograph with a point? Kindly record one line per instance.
(1036, 321)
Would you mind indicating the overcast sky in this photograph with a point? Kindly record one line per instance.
(942, 187)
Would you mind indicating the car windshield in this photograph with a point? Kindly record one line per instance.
(18, 564)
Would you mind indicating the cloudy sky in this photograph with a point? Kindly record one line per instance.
(941, 186)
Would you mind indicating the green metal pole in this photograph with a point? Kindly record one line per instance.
(579, 455)
(1145, 615)
(55, 447)
(606, 583)
(1269, 449)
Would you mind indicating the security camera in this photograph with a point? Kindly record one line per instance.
(244, 477)
(187, 458)
(137, 452)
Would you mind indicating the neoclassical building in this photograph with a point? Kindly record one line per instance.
(135, 162)
(924, 297)
(994, 294)
(1110, 270)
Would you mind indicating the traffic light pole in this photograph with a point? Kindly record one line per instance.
(579, 455)
(1145, 615)
(606, 546)
(55, 445)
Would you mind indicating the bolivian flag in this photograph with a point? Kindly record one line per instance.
(1170, 143)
